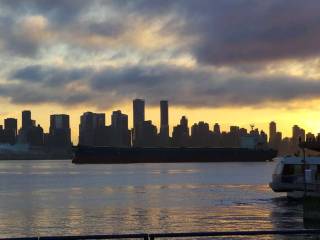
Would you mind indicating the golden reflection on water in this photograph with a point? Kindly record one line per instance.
(145, 198)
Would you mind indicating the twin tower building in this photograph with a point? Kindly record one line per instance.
(144, 133)
(94, 132)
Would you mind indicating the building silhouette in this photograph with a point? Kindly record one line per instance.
(30, 133)
(200, 135)
(59, 131)
(26, 119)
(94, 132)
(10, 130)
(138, 121)
(92, 129)
(180, 134)
(149, 135)
(164, 124)
(120, 133)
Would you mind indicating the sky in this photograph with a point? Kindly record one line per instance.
(235, 62)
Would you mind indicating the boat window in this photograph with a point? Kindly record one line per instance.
(292, 169)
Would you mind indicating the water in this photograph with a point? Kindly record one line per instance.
(40, 198)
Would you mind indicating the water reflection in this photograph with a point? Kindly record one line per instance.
(130, 199)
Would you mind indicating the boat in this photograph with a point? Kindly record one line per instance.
(296, 176)
(114, 155)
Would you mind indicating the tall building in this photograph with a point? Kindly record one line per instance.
(30, 133)
(10, 130)
(298, 134)
(200, 135)
(180, 134)
(35, 136)
(90, 129)
(60, 132)
(138, 112)
(26, 119)
(138, 120)
(120, 132)
(272, 132)
(216, 129)
(149, 135)
(164, 123)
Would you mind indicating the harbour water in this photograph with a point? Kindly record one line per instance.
(39, 198)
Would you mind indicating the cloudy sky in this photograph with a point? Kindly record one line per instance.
(229, 61)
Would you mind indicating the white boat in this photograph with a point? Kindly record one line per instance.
(297, 177)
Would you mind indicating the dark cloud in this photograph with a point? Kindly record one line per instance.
(60, 12)
(19, 93)
(14, 40)
(221, 32)
(243, 31)
(196, 88)
(50, 76)
(182, 86)
(226, 32)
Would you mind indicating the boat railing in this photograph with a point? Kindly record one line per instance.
(182, 235)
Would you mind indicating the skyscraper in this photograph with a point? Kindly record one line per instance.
(138, 112)
(216, 128)
(272, 132)
(60, 132)
(10, 130)
(91, 124)
(180, 134)
(26, 119)
(120, 132)
(11, 125)
(164, 123)
(138, 120)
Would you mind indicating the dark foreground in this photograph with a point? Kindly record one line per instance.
(113, 155)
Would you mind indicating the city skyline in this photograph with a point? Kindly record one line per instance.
(273, 131)
(70, 57)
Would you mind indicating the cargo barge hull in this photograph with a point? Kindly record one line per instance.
(114, 155)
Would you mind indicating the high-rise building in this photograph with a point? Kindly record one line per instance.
(200, 135)
(180, 134)
(120, 132)
(149, 135)
(138, 120)
(164, 123)
(35, 136)
(216, 128)
(272, 132)
(91, 125)
(60, 132)
(26, 119)
(10, 130)
(298, 134)
(138, 112)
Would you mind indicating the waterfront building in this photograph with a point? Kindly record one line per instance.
(149, 135)
(138, 120)
(10, 130)
(216, 129)
(164, 123)
(26, 119)
(272, 132)
(59, 131)
(120, 133)
(180, 134)
(91, 127)
(200, 135)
